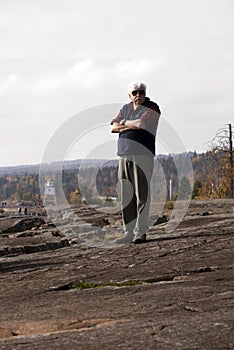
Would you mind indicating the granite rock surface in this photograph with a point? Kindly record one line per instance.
(68, 286)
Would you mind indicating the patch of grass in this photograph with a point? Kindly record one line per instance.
(106, 237)
(169, 205)
(86, 285)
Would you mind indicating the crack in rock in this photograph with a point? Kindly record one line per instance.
(129, 283)
(46, 327)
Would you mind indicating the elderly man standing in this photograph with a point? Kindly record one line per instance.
(136, 124)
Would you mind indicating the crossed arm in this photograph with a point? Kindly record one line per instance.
(129, 125)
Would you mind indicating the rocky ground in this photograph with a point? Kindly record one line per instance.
(64, 284)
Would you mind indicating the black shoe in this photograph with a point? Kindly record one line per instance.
(140, 240)
(127, 238)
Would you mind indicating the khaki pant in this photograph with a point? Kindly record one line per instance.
(135, 172)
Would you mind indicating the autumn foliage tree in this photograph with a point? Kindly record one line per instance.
(215, 174)
(75, 197)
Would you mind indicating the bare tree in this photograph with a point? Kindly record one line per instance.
(222, 146)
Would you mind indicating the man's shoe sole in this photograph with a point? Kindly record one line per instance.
(139, 241)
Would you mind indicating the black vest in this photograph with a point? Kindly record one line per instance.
(139, 141)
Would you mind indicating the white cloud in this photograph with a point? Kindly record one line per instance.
(136, 67)
(58, 58)
(11, 82)
(85, 75)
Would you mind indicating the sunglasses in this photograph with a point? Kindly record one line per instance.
(141, 92)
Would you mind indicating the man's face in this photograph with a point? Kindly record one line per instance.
(137, 96)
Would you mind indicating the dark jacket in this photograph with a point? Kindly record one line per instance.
(140, 141)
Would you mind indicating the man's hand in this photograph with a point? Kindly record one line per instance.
(129, 125)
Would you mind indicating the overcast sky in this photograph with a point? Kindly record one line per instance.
(61, 57)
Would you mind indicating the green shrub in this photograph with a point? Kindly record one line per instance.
(169, 205)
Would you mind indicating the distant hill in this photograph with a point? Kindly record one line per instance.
(33, 169)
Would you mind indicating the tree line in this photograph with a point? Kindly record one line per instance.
(212, 174)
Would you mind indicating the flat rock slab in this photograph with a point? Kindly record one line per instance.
(20, 224)
(174, 292)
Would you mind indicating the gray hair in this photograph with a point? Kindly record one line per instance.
(136, 85)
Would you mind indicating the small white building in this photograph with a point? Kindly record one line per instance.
(50, 192)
